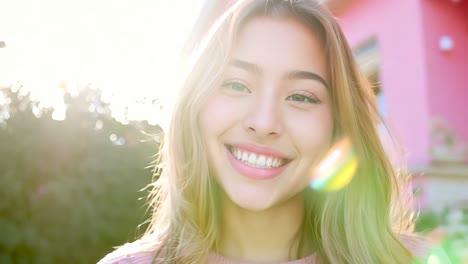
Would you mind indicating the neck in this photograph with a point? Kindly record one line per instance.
(262, 236)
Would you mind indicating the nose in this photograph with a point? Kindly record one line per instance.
(263, 117)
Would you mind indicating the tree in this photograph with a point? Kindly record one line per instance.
(69, 191)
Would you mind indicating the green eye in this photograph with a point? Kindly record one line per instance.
(236, 86)
(300, 98)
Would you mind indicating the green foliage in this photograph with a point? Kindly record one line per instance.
(452, 222)
(68, 194)
(428, 221)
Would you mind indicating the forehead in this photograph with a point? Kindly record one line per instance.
(280, 44)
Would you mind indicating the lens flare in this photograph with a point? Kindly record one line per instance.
(433, 259)
(337, 169)
(438, 255)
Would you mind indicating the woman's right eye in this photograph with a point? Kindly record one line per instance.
(236, 86)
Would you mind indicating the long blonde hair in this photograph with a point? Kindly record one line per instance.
(358, 224)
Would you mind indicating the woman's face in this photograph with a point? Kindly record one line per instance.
(271, 119)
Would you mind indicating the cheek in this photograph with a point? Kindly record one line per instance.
(312, 136)
(216, 115)
(312, 132)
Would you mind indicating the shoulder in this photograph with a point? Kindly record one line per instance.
(419, 246)
(131, 253)
(424, 249)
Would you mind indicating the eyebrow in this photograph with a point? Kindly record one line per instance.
(247, 66)
(291, 75)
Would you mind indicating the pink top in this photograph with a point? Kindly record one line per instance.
(213, 258)
(418, 247)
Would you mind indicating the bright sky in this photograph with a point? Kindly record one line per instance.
(127, 48)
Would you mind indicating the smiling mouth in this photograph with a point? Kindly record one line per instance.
(257, 160)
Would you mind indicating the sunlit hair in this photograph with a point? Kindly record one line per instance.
(359, 224)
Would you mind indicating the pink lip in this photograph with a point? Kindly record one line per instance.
(252, 172)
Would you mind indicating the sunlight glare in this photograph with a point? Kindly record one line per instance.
(128, 49)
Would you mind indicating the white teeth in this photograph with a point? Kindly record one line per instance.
(252, 158)
(245, 157)
(275, 163)
(279, 162)
(259, 161)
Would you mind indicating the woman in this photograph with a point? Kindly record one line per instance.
(272, 89)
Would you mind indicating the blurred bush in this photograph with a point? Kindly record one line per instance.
(69, 192)
(449, 228)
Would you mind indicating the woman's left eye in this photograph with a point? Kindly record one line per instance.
(300, 98)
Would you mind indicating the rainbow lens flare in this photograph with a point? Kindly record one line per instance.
(337, 169)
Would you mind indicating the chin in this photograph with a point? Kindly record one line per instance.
(249, 198)
(254, 205)
(256, 199)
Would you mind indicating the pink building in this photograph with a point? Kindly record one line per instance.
(418, 51)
